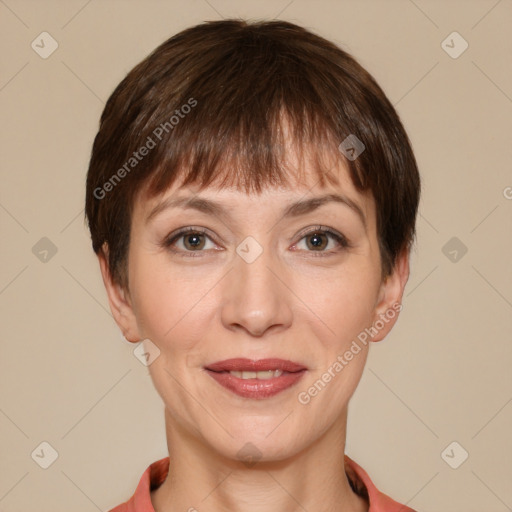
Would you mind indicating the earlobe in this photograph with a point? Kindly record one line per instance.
(119, 300)
(390, 298)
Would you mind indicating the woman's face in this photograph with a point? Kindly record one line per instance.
(291, 274)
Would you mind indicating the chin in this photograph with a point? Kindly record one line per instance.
(257, 446)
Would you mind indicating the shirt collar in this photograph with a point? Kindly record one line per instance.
(361, 484)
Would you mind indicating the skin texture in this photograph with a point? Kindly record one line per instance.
(291, 303)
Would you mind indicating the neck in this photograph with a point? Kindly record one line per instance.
(199, 478)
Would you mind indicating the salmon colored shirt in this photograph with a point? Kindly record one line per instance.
(156, 473)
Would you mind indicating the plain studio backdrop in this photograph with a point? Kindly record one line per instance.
(431, 419)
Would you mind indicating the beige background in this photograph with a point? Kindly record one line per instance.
(68, 378)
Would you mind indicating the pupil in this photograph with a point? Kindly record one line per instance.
(317, 240)
(196, 240)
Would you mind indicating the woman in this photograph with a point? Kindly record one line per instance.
(252, 197)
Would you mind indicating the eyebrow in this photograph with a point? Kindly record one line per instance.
(214, 208)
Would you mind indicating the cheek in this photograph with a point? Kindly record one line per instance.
(345, 308)
(342, 302)
(174, 312)
(169, 306)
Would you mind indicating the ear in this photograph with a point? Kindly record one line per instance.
(119, 301)
(389, 303)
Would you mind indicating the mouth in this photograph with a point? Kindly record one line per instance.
(256, 379)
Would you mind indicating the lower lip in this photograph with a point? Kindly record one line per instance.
(256, 388)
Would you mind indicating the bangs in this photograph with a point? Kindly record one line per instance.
(250, 157)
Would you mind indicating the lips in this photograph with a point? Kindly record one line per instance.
(243, 378)
(248, 365)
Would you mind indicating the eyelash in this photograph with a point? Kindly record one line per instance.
(171, 239)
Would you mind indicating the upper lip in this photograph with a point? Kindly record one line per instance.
(248, 365)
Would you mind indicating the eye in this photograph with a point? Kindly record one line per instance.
(188, 240)
(317, 240)
(191, 240)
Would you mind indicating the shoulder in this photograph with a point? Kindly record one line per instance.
(151, 479)
(363, 485)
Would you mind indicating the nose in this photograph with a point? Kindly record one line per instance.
(256, 297)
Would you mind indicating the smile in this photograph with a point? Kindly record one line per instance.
(256, 379)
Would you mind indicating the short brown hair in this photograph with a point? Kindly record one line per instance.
(217, 94)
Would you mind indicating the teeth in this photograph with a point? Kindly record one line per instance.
(264, 375)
